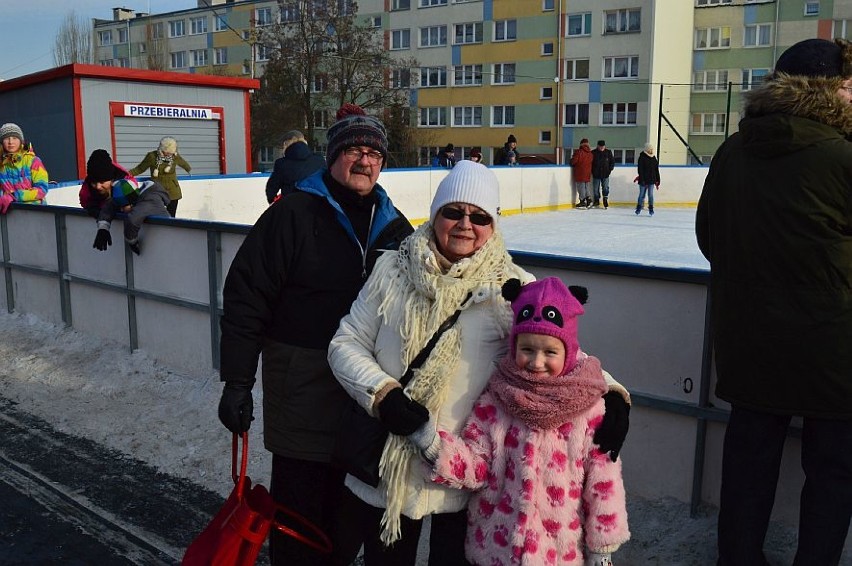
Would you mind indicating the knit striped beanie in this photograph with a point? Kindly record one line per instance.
(354, 128)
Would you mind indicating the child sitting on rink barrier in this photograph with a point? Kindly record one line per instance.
(109, 189)
(546, 493)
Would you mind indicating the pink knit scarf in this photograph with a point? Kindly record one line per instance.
(547, 402)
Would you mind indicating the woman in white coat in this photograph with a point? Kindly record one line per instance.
(456, 260)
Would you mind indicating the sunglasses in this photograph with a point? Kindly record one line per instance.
(478, 218)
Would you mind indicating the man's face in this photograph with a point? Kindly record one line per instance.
(845, 91)
(357, 168)
(103, 188)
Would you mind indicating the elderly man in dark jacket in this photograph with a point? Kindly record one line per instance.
(295, 276)
(297, 163)
(775, 221)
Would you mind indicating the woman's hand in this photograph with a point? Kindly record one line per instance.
(400, 414)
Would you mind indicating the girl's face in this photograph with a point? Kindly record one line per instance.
(103, 188)
(457, 239)
(11, 144)
(540, 354)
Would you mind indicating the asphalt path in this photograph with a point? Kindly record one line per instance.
(67, 500)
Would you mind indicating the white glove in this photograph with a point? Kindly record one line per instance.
(595, 559)
(426, 437)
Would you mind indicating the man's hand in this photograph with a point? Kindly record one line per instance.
(102, 239)
(236, 407)
(613, 430)
(400, 414)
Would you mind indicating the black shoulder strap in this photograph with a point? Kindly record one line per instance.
(420, 358)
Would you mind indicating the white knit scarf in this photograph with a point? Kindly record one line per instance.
(428, 296)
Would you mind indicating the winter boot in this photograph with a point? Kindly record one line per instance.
(606, 203)
(638, 210)
(596, 204)
(651, 210)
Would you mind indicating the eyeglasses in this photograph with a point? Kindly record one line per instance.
(356, 154)
(478, 218)
(847, 89)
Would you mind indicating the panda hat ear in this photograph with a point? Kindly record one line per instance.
(580, 293)
(511, 289)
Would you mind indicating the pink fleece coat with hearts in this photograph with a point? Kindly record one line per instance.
(544, 496)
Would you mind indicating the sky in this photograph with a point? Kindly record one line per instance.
(41, 19)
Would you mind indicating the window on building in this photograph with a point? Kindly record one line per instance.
(841, 29)
(261, 52)
(401, 78)
(220, 23)
(702, 160)
(503, 74)
(319, 84)
(401, 39)
(199, 57)
(467, 116)
(621, 67)
(713, 38)
(467, 33)
(143, 48)
(246, 34)
(105, 37)
(433, 116)
(502, 115)
(433, 76)
(467, 75)
(710, 81)
(262, 17)
(122, 35)
(433, 36)
(122, 62)
(321, 119)
(197, 25)
(430, 3)
(107, 62)
(547, 49)
(505, 30)
(708, 123)
(397, 5)
(267, 154)
(622, 21)
(289, 13)
(246, 68)
(177, 28)
(220, 56)
(376, 21)
(618, 113)
(812, 8)
(576, 115)
(157, 31)
(579, 24)
(546, 93)
(576, 69)
(712, 2)
(548, 5)
(753, 77)
(544, 136)
(624, 156)
(758, 35)
(177, 59)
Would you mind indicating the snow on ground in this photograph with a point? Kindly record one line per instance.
(129, 402)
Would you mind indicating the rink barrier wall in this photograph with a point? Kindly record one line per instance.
(649, 325)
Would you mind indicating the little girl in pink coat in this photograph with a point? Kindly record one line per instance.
(546, 494)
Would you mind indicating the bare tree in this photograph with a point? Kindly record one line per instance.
(73, 43)
(156, 46)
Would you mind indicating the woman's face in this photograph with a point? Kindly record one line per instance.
(457, 239)
(11, 144)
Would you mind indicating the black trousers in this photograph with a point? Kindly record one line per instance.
(753, 446)
(358, 523)
(313, 490)
(172, 208)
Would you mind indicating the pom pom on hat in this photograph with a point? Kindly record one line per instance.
(100, 167)
(817, 58)
(546, 307)
(354, 128)
(471, 183)
(10, 130)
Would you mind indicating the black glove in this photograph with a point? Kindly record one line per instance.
(102, 239)
(236, 407)
(400, 414)
(135, 248)
(613, 430)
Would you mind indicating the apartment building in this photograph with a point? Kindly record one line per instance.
(549, 72)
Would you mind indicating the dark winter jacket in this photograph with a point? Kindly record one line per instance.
(501, 156)
(775, 221)
(447, 161)
(581, 164)
(649, 169)
(297, 163)
(603, 162)
(295, 276)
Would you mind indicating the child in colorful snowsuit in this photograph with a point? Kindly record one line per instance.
(109, 189)
(546, 494)
(23, 177)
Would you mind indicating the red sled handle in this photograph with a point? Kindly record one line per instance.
(322, 542)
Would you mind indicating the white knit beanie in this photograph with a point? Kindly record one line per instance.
(471, 183)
